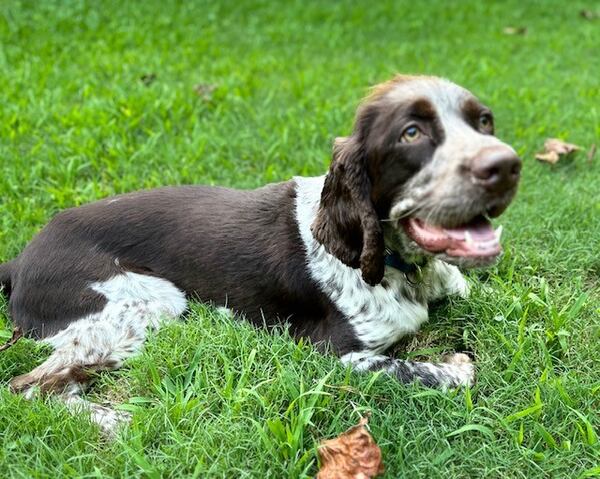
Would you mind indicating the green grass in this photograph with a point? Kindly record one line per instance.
(215, 398)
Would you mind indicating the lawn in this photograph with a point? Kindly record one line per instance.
(105, 97)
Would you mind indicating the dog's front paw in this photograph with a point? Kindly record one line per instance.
(463, 369)
(459, 285)
(448, 281)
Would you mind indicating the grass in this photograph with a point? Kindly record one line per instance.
(243, 93)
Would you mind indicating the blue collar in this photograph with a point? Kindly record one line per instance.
(394, 260)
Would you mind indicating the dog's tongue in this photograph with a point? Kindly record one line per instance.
(474, 239)
(480, 229)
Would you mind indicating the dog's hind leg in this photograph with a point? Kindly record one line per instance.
(458, 370)
(102, 341)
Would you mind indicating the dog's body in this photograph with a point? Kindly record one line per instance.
(349, 260)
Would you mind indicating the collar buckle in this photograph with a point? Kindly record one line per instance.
(413, 272)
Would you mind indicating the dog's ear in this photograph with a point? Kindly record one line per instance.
(347, 223)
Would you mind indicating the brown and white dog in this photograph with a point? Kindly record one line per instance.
(349, 260)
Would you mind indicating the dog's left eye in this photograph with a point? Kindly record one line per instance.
(411, 134)
(486, 123)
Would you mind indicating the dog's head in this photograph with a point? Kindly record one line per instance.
(421, 174)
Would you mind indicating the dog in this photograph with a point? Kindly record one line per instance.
(349, 260)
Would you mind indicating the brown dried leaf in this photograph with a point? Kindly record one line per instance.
(548, 157)
(205, 90)
(589, 14)
(352, 455)
(562, 148)
(515, 30)
(554, 149)
(148, 78)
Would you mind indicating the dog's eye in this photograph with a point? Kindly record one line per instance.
(410, 135)
(486, 123)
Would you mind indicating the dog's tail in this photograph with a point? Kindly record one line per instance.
(6, 270)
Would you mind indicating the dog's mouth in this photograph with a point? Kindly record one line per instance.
(476, 239)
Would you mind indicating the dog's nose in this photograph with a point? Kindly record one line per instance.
(496, 169)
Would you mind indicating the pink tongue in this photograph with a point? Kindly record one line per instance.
(480, 231)
(482, 241)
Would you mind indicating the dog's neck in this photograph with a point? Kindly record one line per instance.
(396, 257)
(393, 259)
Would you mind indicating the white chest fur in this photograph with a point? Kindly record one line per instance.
(379, 315)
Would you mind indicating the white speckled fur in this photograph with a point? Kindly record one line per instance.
(461, 140)
(105, 339)
(431, 186)
(456, 370)
(446, 280)
(379, 315)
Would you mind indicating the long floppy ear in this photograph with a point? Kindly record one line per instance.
(347, 223)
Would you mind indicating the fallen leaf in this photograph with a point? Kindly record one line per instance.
(554, 149)
(205, 90)
(148, 78)
(589, 14)
(352, 455)
(550, 157)
(515, 30)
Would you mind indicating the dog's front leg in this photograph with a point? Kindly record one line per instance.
(446, 280)
(458, 370)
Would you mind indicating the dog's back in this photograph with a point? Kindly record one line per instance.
(217, 244)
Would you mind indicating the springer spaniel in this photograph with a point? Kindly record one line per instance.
(350, 259)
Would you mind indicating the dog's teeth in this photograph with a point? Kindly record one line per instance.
(468, 238)
(498, 232)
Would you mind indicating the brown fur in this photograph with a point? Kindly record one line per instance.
(380, 90)
(347, 223)
(57, 381)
